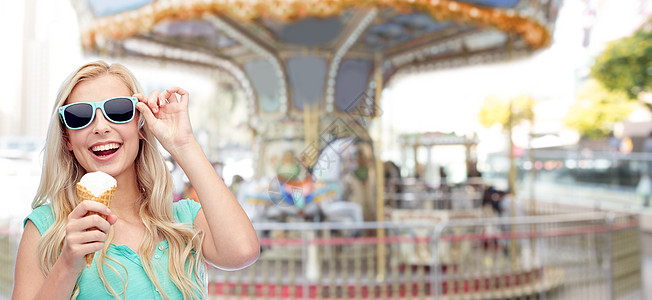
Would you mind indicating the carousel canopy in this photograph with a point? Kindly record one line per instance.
(291, 54)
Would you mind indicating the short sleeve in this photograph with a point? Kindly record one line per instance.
(42, 217)
(186, 210)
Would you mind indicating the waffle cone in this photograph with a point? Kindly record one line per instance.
(105, 198)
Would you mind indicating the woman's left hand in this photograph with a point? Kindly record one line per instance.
(167, 117)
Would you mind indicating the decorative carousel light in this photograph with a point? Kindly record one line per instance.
(339, 53)
(259, 50)
(369, 100)
(149, 48)
(97, 34)
(386, 65)
(289, 10)
(474, 13)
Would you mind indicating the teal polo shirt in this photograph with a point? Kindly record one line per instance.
(139, 285)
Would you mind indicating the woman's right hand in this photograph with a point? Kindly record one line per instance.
(85, 233)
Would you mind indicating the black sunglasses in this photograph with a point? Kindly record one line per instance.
(81, 114)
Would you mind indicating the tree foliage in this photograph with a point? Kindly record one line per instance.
(626, 64)
(496, 110)
(508, 113)
(597, 109)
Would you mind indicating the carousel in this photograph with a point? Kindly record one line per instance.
(311, 74)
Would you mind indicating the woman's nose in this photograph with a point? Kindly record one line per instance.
(100, 124)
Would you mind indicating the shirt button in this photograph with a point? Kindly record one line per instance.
(157, 256)
(160, 247)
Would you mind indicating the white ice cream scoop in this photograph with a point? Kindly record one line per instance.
(98, 182)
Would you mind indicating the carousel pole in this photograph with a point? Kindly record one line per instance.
(380, 186)
(415, 154)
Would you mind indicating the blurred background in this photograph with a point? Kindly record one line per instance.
(373, 111)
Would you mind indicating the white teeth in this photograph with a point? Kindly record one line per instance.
(105, 147)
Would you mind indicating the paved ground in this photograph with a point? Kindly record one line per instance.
(646, 244)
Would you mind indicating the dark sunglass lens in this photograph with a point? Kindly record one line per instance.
(78, 115)
(119, 110)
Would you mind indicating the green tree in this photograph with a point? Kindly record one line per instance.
(626, 64)
(499, 110)
(508, 113)
(597, 109)
(494, 110)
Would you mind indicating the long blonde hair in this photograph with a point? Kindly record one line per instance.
(61, 172)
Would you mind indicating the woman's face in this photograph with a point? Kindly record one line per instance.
(103, 145)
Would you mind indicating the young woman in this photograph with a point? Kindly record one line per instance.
(148, 247)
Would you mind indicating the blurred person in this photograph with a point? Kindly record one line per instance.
(644, 186)
(491, 198)
(288, 169)
(189, 192)
(235, 184)
(179, 179)
(507, 199)
(392, 174)
(443, 180)
(148, 247)
(511, 207)
(357, 187)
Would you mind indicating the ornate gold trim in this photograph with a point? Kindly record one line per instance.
(129, 23)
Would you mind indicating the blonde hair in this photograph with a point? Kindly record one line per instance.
(61, 172)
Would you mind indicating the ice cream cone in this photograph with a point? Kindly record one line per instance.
(105, 198)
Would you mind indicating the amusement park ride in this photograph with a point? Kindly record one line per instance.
(312, 73)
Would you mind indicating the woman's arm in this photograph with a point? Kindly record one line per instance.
(27, 275)
(31, 283)
(230, 241)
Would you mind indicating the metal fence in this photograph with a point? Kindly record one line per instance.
(574, 256)
(570, 256)
(596, 179)
(9, 240)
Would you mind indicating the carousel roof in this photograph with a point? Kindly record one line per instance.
(291, 53)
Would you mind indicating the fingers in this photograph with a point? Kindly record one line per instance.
(87, 216)
(112, 219)
(87, 230)
(93, 222)
(144, 106)
(146, 112)
(153, 101)
(88, 206)
(85, 237)
(79, 250)
(181, 92)
(158, 100)
(80, 243)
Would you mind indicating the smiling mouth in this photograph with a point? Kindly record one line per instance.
(104, 150)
